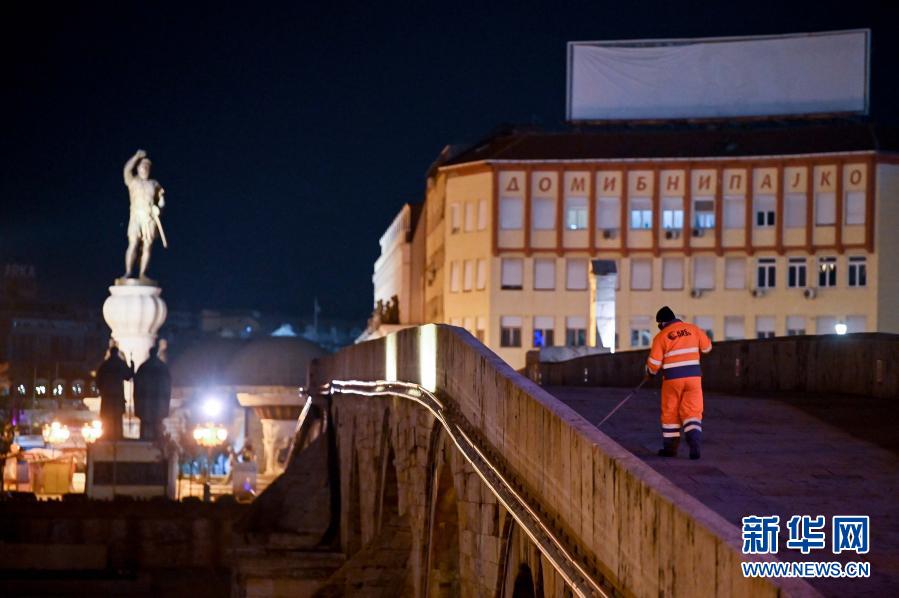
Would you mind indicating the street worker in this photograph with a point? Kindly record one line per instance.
(675, 351)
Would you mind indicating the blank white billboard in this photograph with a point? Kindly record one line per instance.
(818, 73)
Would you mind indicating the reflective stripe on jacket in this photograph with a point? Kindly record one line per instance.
(675, 350)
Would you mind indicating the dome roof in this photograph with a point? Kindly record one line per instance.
(265, 361)
(203, 362)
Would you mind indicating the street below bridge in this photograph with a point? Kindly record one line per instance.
(775, 456)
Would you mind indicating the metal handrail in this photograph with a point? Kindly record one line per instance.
(526, 515)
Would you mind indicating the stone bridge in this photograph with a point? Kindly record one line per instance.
(423, 465)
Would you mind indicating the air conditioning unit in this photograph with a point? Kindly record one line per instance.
(672, 234)
(608, 233)
(696, 293)
(758, 292)
(698, 232)
(810, 293)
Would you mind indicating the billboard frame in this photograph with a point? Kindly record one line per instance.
(638, 43)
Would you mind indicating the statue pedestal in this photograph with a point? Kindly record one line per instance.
(134, 312)
(128, 468)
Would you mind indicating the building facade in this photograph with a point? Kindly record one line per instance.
(748, 230)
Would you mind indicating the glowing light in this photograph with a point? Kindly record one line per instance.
(55, 433)
(390, 358)
(212, 406)
(427, 356)
(210, 435)
(92, 431)
(840, 328)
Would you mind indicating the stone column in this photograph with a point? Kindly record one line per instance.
(276, 436)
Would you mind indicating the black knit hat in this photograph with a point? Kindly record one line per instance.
(665, 315)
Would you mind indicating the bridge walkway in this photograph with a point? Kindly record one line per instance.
(767, 456)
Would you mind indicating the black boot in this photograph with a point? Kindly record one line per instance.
(669, 446)
(694, 440)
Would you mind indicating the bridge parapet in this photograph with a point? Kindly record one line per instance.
(865, 364)
(627, 529)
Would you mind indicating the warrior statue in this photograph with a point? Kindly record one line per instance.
(147, 200)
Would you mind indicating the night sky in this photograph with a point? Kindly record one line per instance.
(287, 138)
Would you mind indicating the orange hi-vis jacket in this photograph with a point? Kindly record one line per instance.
(675, 350)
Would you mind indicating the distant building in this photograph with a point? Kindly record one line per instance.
(398, 277)
(747, 230)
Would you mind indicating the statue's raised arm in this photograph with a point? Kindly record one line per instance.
(131, 163)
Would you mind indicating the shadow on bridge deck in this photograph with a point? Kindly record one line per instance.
(767, 456)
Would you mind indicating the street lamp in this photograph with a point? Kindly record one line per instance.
(840, 328)
(209, 436)
(55, 433)
(92, 431)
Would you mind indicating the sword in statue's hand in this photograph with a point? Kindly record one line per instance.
(155, 212)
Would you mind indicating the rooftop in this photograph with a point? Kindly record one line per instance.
(681, 140)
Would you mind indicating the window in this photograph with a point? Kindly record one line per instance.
(734, 328)
(481, 282)
(795, 325)
(734, 211)
(764, 210)
(856, 324)
(512, 274)
(608, 213)
(575, 274)
(470, 208)
(641, 335)
(827, 271)
(455, 277)
(482, 214)
(858, 271)
(855, 207)
(468, 275)
(706, 323)
(672, 212)
(766, 273)
(796, 273)
(576, 331)
(510, 331)
(672, 273)
(544, 334)
(825, 209)
(544, 274)
(794, 210)
(480, 328)
(576, 213)
(544, 216)
(734, 273)
(764, 327)
(704, 273)
(511, 214)
(825, 325)
(455, 218)
(641, 212)
(703, 213)
(641, 275)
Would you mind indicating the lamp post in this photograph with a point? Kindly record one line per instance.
(209, 436)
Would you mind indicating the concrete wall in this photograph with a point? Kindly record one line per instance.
(856, 364)
(629, 526)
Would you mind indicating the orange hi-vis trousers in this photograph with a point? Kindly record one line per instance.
(681, 406)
